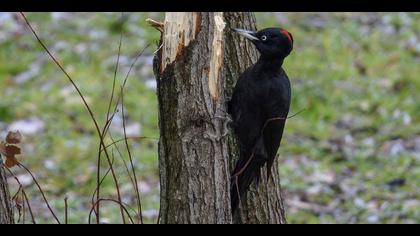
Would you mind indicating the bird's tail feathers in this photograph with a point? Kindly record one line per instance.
(246, 171)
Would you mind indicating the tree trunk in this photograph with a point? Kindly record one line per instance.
(6, 215)
(196, 70)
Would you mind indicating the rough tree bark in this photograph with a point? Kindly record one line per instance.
(196, 69)
(6, 215)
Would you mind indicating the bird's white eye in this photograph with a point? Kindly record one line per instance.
(263, 38)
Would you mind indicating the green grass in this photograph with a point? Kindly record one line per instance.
(355, 81)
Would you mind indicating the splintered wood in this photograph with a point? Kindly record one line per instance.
(216, 59)
(179, 31)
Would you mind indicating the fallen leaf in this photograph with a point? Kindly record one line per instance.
(14, 137)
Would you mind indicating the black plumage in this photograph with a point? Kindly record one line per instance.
(259, 108)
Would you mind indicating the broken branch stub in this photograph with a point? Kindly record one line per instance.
(155, 24)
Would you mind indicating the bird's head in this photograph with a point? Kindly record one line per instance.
(270, 42)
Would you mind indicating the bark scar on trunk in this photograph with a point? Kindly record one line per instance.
(217, 56)
(178, 34)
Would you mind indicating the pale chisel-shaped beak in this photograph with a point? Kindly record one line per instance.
(247, 34)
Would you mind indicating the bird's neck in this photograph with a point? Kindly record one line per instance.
(270, 64)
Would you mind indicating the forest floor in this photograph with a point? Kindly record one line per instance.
(351, 156)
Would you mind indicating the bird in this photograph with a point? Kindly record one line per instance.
(259, 107)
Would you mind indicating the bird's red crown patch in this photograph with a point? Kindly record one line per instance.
(287, 34)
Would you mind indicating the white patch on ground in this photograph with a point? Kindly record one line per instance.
(29, 126)
(133, 129)
(25, 179)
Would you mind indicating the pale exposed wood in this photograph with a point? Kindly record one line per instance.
(217, 57)
(155, 24)
(180, 28)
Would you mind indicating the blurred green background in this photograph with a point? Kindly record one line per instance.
(352, 156)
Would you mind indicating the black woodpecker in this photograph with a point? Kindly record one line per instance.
(259, 108)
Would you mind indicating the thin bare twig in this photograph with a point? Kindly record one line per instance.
(101, 181)
(84, 101)
(107, 123)
(105, 129)
(262, 133)
(114, 201)
(131, 158)
(128, 138)
(125, 164)
(29, 206)
(115, 75)
(24, 193)
(41, 191)
(66, 211)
